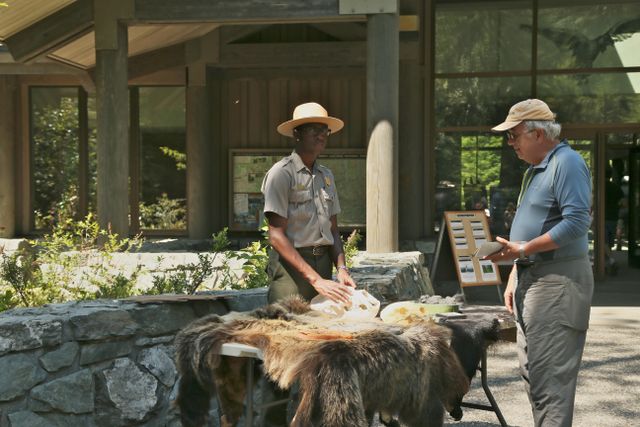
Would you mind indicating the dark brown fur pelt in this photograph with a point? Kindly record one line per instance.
(344, 377)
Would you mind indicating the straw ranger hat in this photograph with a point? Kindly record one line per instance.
(529, 109)
(309, 112)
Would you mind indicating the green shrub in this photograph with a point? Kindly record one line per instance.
(188, 278)
(73, 262)
(165, 214)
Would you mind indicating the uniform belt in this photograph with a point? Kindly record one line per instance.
(314, 250)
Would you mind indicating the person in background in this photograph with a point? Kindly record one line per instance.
(551, 284)
(613, 195)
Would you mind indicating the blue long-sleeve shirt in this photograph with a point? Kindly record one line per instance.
(557, 200)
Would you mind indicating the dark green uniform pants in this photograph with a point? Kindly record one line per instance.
(286, 282)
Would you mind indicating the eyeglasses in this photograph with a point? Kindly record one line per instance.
(316, 128)
(513, 137)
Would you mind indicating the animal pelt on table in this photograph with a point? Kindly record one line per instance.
(346, 372)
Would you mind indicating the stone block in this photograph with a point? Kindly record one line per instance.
(60, 358)
(11, 245)
(158, 362)
(120, 384)
(67, 420)
(19, 333)
(156, 319)
(97, 352)
(391, 277)
(147, 341)
(70, 394)
(95, 323)
(18, 373)
(28, 419)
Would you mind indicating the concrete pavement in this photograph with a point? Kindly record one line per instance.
(608, 393)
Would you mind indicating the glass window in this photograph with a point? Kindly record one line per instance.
(162, 158)
(592, 98)
(55, 154)
(483, 36)
(476, 170)
(572, 34)
(477, 101)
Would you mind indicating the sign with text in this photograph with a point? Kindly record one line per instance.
(468, 230)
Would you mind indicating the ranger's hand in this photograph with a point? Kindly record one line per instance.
(333, 290)
(344, 277)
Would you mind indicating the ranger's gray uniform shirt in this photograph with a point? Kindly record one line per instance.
(306, 198)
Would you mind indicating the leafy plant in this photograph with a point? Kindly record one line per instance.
(165, 214)
(73, 262)
(350, 246)
(178, 156)
(189, 278)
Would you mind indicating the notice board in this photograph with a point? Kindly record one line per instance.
(248, 168)
(467, 231)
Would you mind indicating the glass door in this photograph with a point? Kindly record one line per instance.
(634, 207)
(583, 141)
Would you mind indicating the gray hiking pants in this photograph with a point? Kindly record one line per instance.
(552, 305)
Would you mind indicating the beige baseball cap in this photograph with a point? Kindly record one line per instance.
(529, 109)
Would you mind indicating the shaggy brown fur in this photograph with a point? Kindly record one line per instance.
(345, 372)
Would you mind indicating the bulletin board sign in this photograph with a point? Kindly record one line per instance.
(248, 167)
(467, 231)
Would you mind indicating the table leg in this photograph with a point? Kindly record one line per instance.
(248, 416)
(485, 386)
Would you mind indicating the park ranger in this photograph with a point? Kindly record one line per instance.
(301, 207)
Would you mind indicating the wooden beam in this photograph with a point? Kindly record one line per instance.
(347, 31)
(303, 54)
(231, 33)
(235, 11)
(54, 30)
(160, 59)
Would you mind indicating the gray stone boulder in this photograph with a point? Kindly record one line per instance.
(158, 362)
(28, 419)
(18, 373)
(391, 277)
(129, 393)
(27, 332)
(70, 394)
(61, 358)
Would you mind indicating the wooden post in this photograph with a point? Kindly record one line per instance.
(428, 37)
(200, 178)
(382, 129)
(7, 157)
(112, 109)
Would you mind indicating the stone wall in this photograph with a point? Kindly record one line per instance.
(110, 363)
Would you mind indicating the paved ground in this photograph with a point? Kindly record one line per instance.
(609, 382)
(608, 385)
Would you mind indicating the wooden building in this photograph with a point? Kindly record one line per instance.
(418, 84)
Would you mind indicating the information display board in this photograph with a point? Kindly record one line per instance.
(467, 231)
(248, 168)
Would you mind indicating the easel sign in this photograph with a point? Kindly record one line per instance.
(469, 230)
